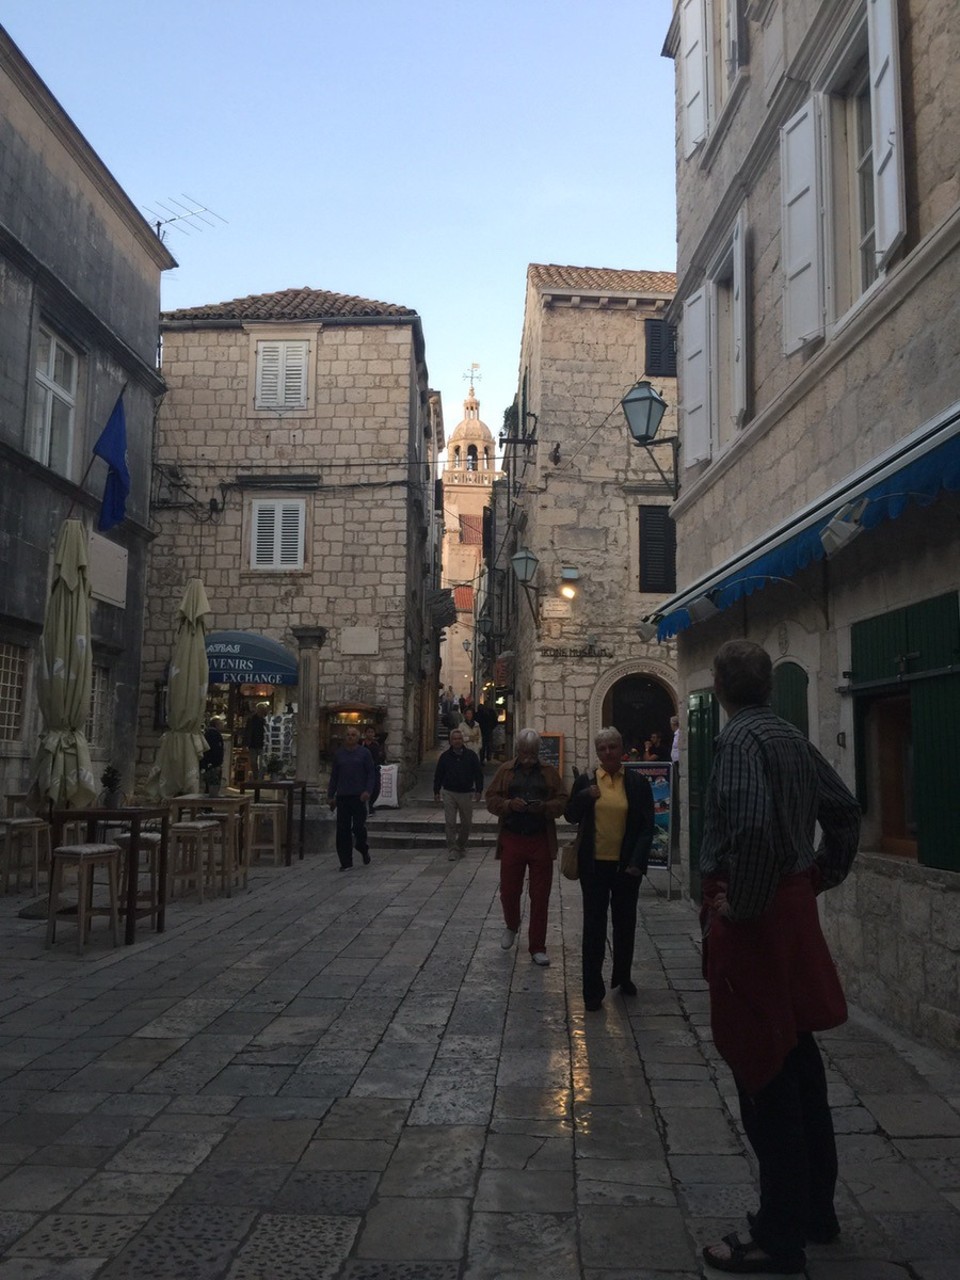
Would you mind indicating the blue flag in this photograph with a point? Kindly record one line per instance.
(112, 448)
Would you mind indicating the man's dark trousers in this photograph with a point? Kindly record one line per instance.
(606, 888)
(351, 828)
(789, 1126)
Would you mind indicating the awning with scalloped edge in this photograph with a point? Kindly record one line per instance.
(912, 473)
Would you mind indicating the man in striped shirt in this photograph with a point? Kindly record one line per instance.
(772, 980)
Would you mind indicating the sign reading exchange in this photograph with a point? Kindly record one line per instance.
(588, 651)
(242, 657)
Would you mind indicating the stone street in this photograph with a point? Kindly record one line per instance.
(344, 1077)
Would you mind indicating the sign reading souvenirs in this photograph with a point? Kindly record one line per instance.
(241, 657)
(587, 651)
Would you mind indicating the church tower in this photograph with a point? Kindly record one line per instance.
(468, 476)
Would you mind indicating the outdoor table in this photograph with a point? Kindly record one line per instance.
(234, 806)
(133, 816)
(286, 786)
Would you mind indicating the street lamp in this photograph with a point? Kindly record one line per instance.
(644, 409)
(525, 564)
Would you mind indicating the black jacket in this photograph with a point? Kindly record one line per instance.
(638, 834)
(462, 772)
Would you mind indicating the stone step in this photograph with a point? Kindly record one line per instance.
(388, 837)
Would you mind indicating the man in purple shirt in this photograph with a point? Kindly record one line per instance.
(352, 780)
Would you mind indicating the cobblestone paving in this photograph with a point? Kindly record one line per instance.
(344, 1077)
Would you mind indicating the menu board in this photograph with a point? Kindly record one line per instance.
(551, 750)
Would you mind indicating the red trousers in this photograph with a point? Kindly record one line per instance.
(518, 854)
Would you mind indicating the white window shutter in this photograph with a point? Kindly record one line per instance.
(291, 535)
(696, 408)
(295, 375)
(802, 227)
(693, 79)
(268, 373)
(739, 369)
(887, 121)
(278, 533)
(264, 534)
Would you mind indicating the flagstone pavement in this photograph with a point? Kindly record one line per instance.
(342, 1076)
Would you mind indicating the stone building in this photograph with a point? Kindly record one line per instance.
(592, 507)
(818, 299)
(295, 465)
(79, 307)
(468, 477)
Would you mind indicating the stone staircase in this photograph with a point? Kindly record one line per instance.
(420, 828)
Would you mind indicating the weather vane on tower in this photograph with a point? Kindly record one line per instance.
(472, 375)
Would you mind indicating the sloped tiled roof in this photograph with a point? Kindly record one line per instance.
(463, 599)
(601, 279)
(288, 304)
(471, 531)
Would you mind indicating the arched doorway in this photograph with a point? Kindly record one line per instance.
(637, 705)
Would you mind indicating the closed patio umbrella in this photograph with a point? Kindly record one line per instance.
(176, 771)
(62, 774)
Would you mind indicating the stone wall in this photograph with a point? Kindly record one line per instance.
(367, 500)
(583, 512)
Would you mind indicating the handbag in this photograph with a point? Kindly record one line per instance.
(570, 858)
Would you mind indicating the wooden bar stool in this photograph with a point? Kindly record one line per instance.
(26, 847)
(85, 858)
(192, 852)
(268, 820)
(148, 897)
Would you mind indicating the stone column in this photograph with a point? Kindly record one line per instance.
(310, 641)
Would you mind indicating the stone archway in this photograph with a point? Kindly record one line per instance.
(656, 679)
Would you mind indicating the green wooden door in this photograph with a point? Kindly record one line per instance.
(935, 712)
(703, 725)
(790, 695)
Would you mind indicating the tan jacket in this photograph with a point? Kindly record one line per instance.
(498, 796)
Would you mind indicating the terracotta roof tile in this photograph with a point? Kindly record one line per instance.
(601, 279)
(471, 530)
(288, 304)
(463, 599)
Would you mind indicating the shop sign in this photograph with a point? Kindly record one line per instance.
(586, 651)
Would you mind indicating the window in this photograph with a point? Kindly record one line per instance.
(13, 677)
(658, 551)
(842, 185)
(282, 375)
(96, 730)
(715, 353)
(660, 349)
(712, 50)
(56, 401)
(277, 536)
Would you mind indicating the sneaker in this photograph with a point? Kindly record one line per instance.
(541, 958)
(508, 939)
(452, 856)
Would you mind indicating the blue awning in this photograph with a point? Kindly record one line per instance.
(914, 472)
(242, 657)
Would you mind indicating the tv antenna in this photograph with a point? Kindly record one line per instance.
(175, 213)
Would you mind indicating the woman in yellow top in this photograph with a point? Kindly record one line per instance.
(613, 807)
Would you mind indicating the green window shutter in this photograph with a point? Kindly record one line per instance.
(935, 713)
(790, 695)
(921, 637)
(703, 725)
(660, 349)
(658, 551)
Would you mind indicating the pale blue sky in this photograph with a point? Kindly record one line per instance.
(417, 153)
